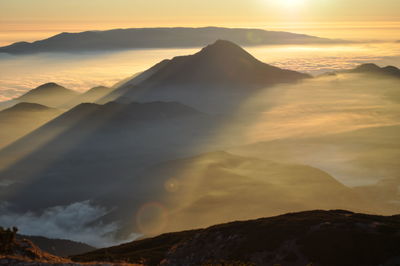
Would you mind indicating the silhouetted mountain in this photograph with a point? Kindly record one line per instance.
(21, 119)
(58, 247)
(157, 38)
(49, 94)
(219, 71)
(326, 238)
(374, 69)
(222, 63)
(24, 107)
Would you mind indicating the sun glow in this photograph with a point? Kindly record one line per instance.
(290, 3)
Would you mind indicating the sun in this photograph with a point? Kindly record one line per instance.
(291, 2)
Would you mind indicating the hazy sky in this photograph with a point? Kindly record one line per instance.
(36, 17)
(199, 11)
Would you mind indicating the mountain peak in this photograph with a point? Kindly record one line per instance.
(221, 64)
(50, 87)
(226, 50)
(223, 44)
(49, 84)
(49, 94)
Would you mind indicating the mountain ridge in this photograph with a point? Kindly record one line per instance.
(371, 68)
(117, 39)
(349, 239)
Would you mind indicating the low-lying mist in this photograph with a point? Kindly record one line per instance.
(81, 71)
(77, 221)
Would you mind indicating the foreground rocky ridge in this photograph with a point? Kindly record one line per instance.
(17, 250)
(326, 238)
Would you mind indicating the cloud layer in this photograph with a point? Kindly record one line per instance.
(77, 221)
(85, 70)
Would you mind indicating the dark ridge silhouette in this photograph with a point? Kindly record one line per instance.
(50, 94)
(219, 71)
(375, 69)
(157, 38)
(58, 247)
(328, 238)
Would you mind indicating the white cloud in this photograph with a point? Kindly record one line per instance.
(77, 221)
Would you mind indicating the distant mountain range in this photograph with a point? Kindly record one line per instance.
(135, 38)
(391, 71)
(327, 238)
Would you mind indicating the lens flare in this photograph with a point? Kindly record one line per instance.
(151, 218)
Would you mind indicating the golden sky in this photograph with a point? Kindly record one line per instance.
(305, 16)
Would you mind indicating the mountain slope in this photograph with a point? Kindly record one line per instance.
(21, 119)
(59, 247)
(157, 38)
(355, 157)
(327, 238)
(196, 191)
(49, 94)
(93, 94)
(20, 250)
(218, 187)
(104, 140)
